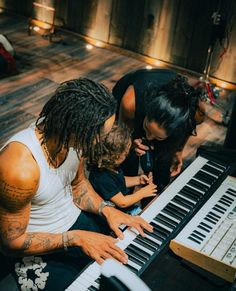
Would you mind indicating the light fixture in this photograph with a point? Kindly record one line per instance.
(148, 67)
(89, 46)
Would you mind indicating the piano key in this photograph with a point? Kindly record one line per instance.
(183, 202)
(206, 225)
(192, 192)
(199, 233)
(139, 252)
(203, 228)
(198, 185)
(199, 238)
(189, 195)
(132, 269)
(165, 221)
(92, 288)
(179, 209)
(134, 265)
(194, 240)
(172, 213)
(182, 208)
(169, 218)
(145, 244)
(136, 261)
(139, 246)
(162, 225)
(212, 170)
(212, 218)
(228, 198)
(231, 193)
(217, 165)
(150, 240)
(204, 177)
(133, 254)
(154, 236)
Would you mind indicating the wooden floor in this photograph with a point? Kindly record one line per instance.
(43, 65)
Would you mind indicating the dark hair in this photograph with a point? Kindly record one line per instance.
(113, 146)
(78, 110)
(173, 106)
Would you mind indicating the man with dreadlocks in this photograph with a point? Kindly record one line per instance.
(47, 207)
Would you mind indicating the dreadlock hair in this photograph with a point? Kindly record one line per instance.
(77, 110)
(116, 142)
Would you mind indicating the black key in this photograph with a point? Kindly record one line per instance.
(160, 229)
(217, 165)
(204, 177)
(98, 280)
(211, 170)
(165, 221)
(212, 217)
(213, 214)
(145, 245)
(139, 251)
(199, 233)
(193, 239)
(194, 192)
(220, 207)
(135, 255)
(224, 203)
(172, 213)
(154, 235)
(159, 234)
(231, 192)
(211, 221)
(188, 195)
(203, 228)
(205, 225)
(181, 201)
(132, 269)
(198, 185)
(177, 208)
(229, 199)
(196, 236)
(136, 261)
(148, 241)
(92, 288)
(218, 210)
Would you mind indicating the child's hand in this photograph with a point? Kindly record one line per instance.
(146, 179)
(148, 191)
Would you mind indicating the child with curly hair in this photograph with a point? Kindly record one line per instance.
(108, 179)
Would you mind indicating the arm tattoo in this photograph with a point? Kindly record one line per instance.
(82, 197)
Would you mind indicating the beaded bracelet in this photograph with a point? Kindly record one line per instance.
(64, 241)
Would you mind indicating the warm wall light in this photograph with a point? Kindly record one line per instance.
(89, 46)
(36, 28)
(148, 67)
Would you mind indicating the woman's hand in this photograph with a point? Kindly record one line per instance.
(177, 164)
(139, 147)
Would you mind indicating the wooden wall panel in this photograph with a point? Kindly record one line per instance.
(175, 31)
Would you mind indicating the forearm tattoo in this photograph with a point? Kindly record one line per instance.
(82, 197)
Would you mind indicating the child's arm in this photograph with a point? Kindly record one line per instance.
(124, 201)
(138, 180)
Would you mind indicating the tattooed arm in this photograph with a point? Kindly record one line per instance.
(84, 195)
(19, 177)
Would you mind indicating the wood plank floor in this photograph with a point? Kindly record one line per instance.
(43, 65)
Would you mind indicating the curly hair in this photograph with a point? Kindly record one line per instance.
(77, 111)
(116, 142)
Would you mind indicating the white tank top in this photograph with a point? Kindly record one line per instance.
(52, 208)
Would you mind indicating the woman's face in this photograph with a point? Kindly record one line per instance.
(153, 130)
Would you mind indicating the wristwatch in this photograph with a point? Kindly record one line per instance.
(103, 204)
